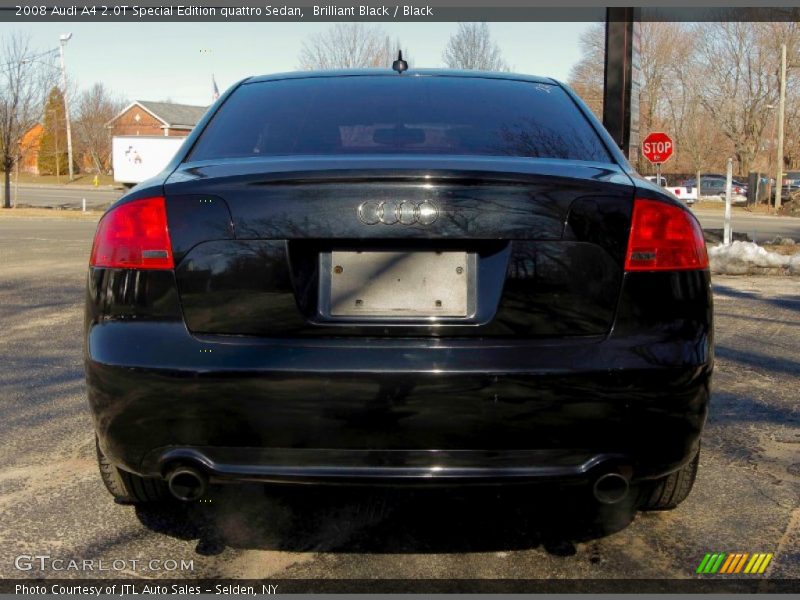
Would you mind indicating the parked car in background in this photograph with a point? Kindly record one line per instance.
(723, 178)
(789, 190)
(686, 195)
(791, 185)
(792, 178)
(658, 180)
(683, 193)
(714, 186)
(437, 277)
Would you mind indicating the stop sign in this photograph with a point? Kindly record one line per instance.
(657, 147)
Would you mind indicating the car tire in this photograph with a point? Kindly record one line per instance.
(127, 488)
(668, 492)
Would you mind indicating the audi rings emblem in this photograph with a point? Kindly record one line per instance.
(390, 212)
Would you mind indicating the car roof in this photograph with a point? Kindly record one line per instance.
(409, 73)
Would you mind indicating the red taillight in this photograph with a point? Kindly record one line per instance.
(664, 238)
(134, 236)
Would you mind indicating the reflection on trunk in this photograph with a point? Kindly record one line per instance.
(548, 247)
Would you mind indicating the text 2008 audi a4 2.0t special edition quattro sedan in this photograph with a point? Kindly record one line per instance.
(380, 277)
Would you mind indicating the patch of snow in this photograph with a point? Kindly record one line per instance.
(794, 264)
(741, 258)
(782, 241)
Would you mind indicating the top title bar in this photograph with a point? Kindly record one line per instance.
(430, 11)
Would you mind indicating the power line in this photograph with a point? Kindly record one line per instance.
(28, 59)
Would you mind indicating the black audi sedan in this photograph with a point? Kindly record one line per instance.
(399, 278)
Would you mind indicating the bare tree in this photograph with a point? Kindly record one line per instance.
(94, 108)
(740, 81)
(777, 33)
(665, 45)
(687, 118)
(349, 46)
(25, 78)
(662, 45)
(713, 87)
(471, 47)
(586, 76)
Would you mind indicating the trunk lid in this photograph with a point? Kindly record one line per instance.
(315, 247)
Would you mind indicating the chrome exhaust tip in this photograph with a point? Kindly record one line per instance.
(611, 488)
(187, 484)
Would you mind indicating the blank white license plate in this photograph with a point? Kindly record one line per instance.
(398, 284)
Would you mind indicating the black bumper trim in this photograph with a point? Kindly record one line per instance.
(284, 465)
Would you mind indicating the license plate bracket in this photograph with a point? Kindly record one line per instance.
(397, 285)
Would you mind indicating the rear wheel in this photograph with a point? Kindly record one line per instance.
(668, 492)
(126, 487)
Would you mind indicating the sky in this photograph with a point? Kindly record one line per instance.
(175, 61)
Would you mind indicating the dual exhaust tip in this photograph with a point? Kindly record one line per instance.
(611, 488)
(189, 484)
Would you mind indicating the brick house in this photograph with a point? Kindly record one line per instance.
(143, 117)
(29, 145)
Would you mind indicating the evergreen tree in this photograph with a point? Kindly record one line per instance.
(53, 149)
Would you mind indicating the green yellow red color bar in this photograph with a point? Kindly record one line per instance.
(735, 562)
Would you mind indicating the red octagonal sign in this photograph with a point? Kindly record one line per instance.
(657, 147)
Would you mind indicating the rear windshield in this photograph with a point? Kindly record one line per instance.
(399, 114)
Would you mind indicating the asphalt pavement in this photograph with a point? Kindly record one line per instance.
(58, 196)
(52, 500)
(760, 228)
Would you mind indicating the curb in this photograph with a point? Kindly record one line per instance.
(751, 270)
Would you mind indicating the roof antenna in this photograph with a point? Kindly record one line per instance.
(400, 65)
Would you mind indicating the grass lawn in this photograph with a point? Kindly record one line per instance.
(80, 179)
(785, 250)
(737, 207)
(50, 213)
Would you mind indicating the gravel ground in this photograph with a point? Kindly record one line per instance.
(52, 500)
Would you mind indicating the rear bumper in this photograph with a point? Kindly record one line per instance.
(394, 410)
(284, 465)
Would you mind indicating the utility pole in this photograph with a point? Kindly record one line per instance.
(726, 228)
(16, 177)
(781, 111)
(621, 79)
(58, 157)
(771, 150)
(64, 38)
